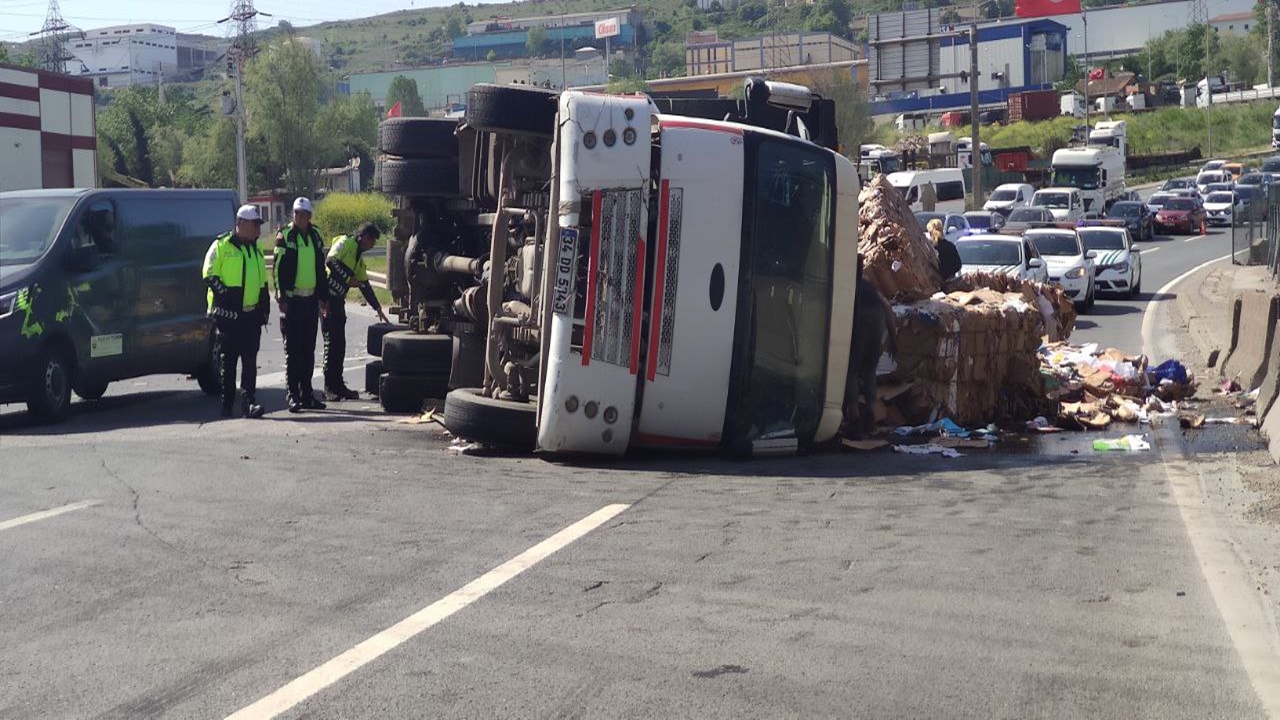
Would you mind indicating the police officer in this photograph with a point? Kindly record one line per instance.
(236, 274)
(346, 267)
(300, 292)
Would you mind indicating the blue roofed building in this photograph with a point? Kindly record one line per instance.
(507, 38)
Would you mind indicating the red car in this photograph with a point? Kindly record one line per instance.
(1181, 215)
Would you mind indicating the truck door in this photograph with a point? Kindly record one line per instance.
(694, 288)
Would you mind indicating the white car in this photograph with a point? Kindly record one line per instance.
(1213, 165)
(1208, 177)
(1009, 197)
(954, 225)
(1064, 203)
(1005, 254)
(1221, 207)
(1070, 264)
(984, 221)
(1119, 263)
(1157, 201)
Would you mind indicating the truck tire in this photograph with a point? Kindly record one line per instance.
(417, 137)
(50, 399)
(469, 342)
(378, 331)
(91, 389)
(419, 177)
(518, 110)
(411, 353)
(405, 393)
(372, 372)
(500, 423)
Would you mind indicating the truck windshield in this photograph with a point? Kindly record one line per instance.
(889, 165)
(1085, 178)
(779, 372)
(30, 226)
(1051, 200)
(1275, 122)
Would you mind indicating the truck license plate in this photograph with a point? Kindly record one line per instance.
(566, 271)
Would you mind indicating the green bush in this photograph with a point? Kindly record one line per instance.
(341, 213)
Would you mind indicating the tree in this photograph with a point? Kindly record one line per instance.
(620, 69)
(285, 26)
(284, 85)
(490, 56)
(666, 60)
(536, 41)
(350, 128)
(832, 16)
(853, 120)
(454, 27)
(405, 91)
(143, 137)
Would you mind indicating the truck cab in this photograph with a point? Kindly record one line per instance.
(1275, 130)
(686, 283)
(875, 160)
(1096, 171)
(1110, 133)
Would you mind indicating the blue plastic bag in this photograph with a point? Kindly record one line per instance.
(1170, 370)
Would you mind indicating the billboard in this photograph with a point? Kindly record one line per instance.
(703, 37)
(610, 27)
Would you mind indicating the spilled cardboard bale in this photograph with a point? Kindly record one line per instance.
(896, 256)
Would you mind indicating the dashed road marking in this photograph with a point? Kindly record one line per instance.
(348, 662)
(46, 514)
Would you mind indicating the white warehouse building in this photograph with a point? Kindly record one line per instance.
(1026, 55)
(124, 54)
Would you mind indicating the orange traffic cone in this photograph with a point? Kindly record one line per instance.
(1204, 230)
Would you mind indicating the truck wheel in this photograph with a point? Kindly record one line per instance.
(419, 177)
(372, 372)
(50, 399)
(519, 110)
(416, 137)
(378, 331)
(404, 393)
(414, 354)
(210, 376)
(501, 423)
(91, 389)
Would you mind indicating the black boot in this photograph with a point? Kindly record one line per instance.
(310, 401)
(340, 392)
(250, 407)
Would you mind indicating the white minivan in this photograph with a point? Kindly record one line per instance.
(948, 185)
(1009, 197)
(1063, 202)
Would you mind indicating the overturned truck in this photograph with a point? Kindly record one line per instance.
(588, 273)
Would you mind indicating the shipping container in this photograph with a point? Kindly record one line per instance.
(1033, 105)
(954, 118)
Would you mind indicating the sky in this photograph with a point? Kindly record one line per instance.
(19, 18)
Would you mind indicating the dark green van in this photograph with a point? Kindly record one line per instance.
(103, 285)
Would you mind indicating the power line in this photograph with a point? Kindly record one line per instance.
(51, 51)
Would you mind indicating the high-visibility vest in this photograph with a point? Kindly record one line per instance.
(346, 265)
(306, 247)
(239, 269)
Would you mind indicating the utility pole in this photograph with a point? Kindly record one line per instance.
(244, 23)
(1271, 37)
(975, 143)
(1199, 12)
(1088, 69)
(51, 52)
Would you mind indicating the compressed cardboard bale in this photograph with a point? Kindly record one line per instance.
(897, 257)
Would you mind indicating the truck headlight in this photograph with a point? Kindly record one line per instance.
(1074, 273)
(7, 303)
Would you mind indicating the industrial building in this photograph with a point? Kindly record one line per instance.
(47, 133)
(506, 38)
(124, 55)
(706, 54)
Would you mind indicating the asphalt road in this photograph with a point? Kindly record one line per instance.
(192, 568)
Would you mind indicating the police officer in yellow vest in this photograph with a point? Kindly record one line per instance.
(346, 267)
(301, 293)
(236, 274)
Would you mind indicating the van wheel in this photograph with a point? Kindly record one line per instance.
(500, 423)
(91, 389)
(50, 400)
(210, 376)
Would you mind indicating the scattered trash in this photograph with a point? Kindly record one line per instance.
(1191, 421)
(1170, 370)
(1131, 443)
(930, 449)
(1229, 386)
(1041, 424)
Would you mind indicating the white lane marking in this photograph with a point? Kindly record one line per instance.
(46, 514)
(278, 378)
(348, 662)
(1148, 251)
(1247, 615)
(1149, 317)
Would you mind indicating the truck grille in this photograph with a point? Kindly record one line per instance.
(618, 264)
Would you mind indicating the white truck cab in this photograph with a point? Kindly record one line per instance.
(1064, 203)
(1275, 130)
(1097, 172)
(875, 159)
(686, 282)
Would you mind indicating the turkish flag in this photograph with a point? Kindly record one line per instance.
(394, 110)
(1045, 8)
(1098, 73)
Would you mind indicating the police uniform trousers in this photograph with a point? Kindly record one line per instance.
(238, 341)
(335, 343)
(298, 328)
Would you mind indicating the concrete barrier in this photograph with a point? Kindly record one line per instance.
(1253, 337)
(1269, 397)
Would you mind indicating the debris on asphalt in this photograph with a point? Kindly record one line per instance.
(1130, 443)
(864, 444)
(1095, 387)
(930, 449)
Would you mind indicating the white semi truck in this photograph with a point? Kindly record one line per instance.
(1275, 130)
(1097, 169)
(610, 275)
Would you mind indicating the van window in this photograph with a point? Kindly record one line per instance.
(953, 190)
(156, 228)
(96, 228)
(30, 226)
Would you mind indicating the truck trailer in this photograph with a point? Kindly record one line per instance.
(589, 273)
